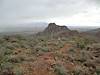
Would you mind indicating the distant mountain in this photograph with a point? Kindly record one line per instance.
(83, 28)
(58, 31)
(94, 31)
(53, 28)
(28, 28)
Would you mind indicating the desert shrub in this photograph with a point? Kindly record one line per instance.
(82, 42)
(6, 72)
(6, 65)
(72, 50)
(59, 55)
(98, 70)
(40, 48)
(78, 70)
(4, 59)
(18, 71)
(18, 37)
(76, 73)
(60, 45)
(9, 46)
(1, 54)
(82, 57)
(45, 49)
(5, 51)
(6, 68)
(59, 69)
(81, 45)
(1, 40)
(8, 52)
(64, 39)
(18, 59)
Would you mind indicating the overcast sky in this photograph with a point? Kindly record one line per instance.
(66, 12)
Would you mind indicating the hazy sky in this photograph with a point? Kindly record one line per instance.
(68, 12)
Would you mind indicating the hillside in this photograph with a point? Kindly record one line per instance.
(67, 53)
(94, 30)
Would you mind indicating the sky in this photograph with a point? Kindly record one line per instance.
(63, 12)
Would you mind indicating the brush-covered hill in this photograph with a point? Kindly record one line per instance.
(42, 55)
(94, 32)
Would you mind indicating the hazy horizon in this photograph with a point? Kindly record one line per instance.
(40, 26)
(62, 12)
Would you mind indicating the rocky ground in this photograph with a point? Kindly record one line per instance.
(49, 55)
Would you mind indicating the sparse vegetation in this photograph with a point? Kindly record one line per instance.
(18, 71)
(50, 55)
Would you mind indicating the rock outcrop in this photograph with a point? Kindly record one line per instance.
(58, 31)
(53, 28)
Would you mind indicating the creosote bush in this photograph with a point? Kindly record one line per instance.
(59, 69)
(18, 71)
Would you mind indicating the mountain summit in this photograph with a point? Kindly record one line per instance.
(53, 28)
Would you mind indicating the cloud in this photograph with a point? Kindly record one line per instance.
(91, 17)
(19, 11)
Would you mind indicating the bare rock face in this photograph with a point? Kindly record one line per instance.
(53, 28)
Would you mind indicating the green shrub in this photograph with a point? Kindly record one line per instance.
(83, 57)
(72, 50)
(40, 48)
(98, 71)
(4, 59)
(82, 42)
(59, 69)
(6, 65)
(78, 70)
(18, 59)
(45, 49)
(18, 71)
(80, 45)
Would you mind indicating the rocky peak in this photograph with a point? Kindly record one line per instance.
(51, 24)
(58, 31)
(53, 28)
